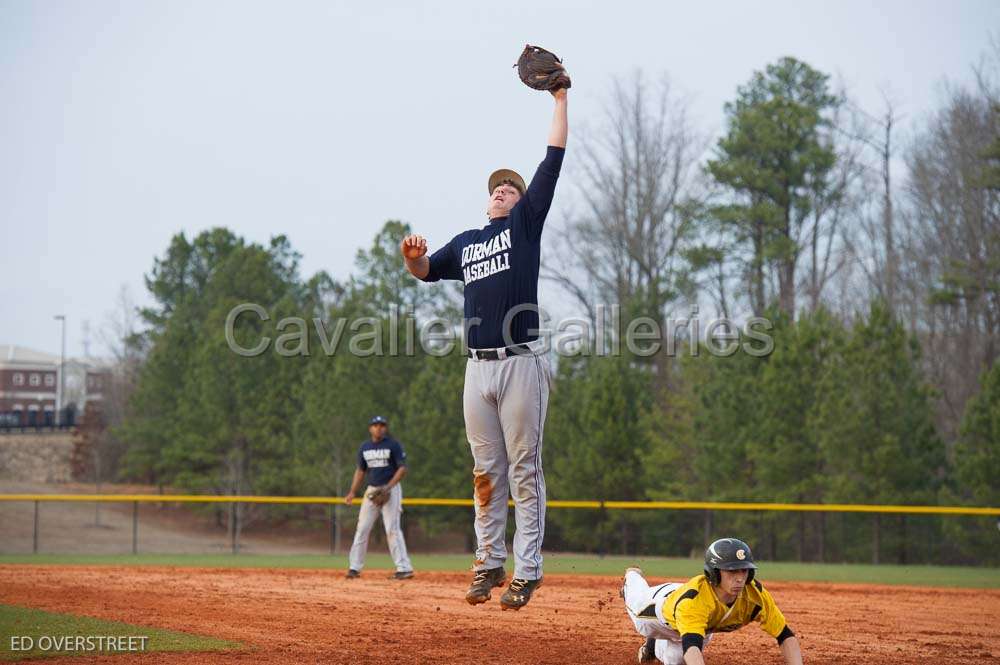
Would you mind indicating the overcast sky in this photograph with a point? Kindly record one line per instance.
(123, 123)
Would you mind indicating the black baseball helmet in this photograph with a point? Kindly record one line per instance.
(728, 554)
(377, 420)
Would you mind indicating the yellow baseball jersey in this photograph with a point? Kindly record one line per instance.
(695, 609)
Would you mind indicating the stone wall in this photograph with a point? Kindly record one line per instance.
(42, 457)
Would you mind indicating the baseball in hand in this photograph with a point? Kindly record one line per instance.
(414, 247)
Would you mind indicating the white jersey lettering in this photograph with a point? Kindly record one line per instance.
(486, 268)
(377, 458)
(483, 250)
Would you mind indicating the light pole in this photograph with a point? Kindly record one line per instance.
(62, 371)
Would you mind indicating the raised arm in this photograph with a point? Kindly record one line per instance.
(538, 198)
(560, 122)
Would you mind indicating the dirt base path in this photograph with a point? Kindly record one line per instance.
(317, 616)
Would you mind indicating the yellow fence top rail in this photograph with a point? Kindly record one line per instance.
(609, 505)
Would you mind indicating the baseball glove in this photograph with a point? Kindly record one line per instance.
(541, 69)
(378, 495)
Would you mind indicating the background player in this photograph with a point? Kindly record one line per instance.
(383, 460)
(506, 381)
(678, 620)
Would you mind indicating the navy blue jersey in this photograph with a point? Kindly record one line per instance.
(499, 264)
(381, 460)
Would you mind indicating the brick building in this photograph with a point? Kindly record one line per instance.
(29, 386)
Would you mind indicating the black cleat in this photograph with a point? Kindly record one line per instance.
(647, 652)
(402, 575)
(518, 593)
(352, 574)
(482, 582)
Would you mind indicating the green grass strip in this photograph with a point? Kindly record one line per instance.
(938, 576)
(47, 631)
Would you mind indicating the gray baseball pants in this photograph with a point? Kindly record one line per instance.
(391, 511)
(505, 403)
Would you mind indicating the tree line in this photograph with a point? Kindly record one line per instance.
(882, 291)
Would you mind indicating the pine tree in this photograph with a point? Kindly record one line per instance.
(776, 158)
(875, 427)
(977, 470)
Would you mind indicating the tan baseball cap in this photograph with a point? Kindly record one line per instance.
(500, 175)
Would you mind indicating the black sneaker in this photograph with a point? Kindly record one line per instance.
(647, 652)
(482, 582)
(518, 593)
(402, 575)
(352, 574)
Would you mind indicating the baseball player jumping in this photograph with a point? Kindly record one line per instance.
(382, 459)
(506, 378)
(678, 620)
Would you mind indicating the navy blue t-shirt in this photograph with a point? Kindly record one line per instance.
(381, 460)
(499, 263)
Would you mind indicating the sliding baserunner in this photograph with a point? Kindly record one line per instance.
(678, 620)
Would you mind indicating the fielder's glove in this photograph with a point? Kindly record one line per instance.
(541, 69)
(378, 495)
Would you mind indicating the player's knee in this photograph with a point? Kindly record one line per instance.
(524, 469)
(525, 492)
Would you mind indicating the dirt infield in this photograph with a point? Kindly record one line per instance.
(316, 616)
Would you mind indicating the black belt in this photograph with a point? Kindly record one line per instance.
(494, 354)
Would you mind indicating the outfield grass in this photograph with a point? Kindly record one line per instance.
(44, 628)
(947, 576)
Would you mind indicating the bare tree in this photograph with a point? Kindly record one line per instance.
(875, 247)
(121, 338)
(826, 241)
(639, 192)
(952, 248)
(119, 373)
